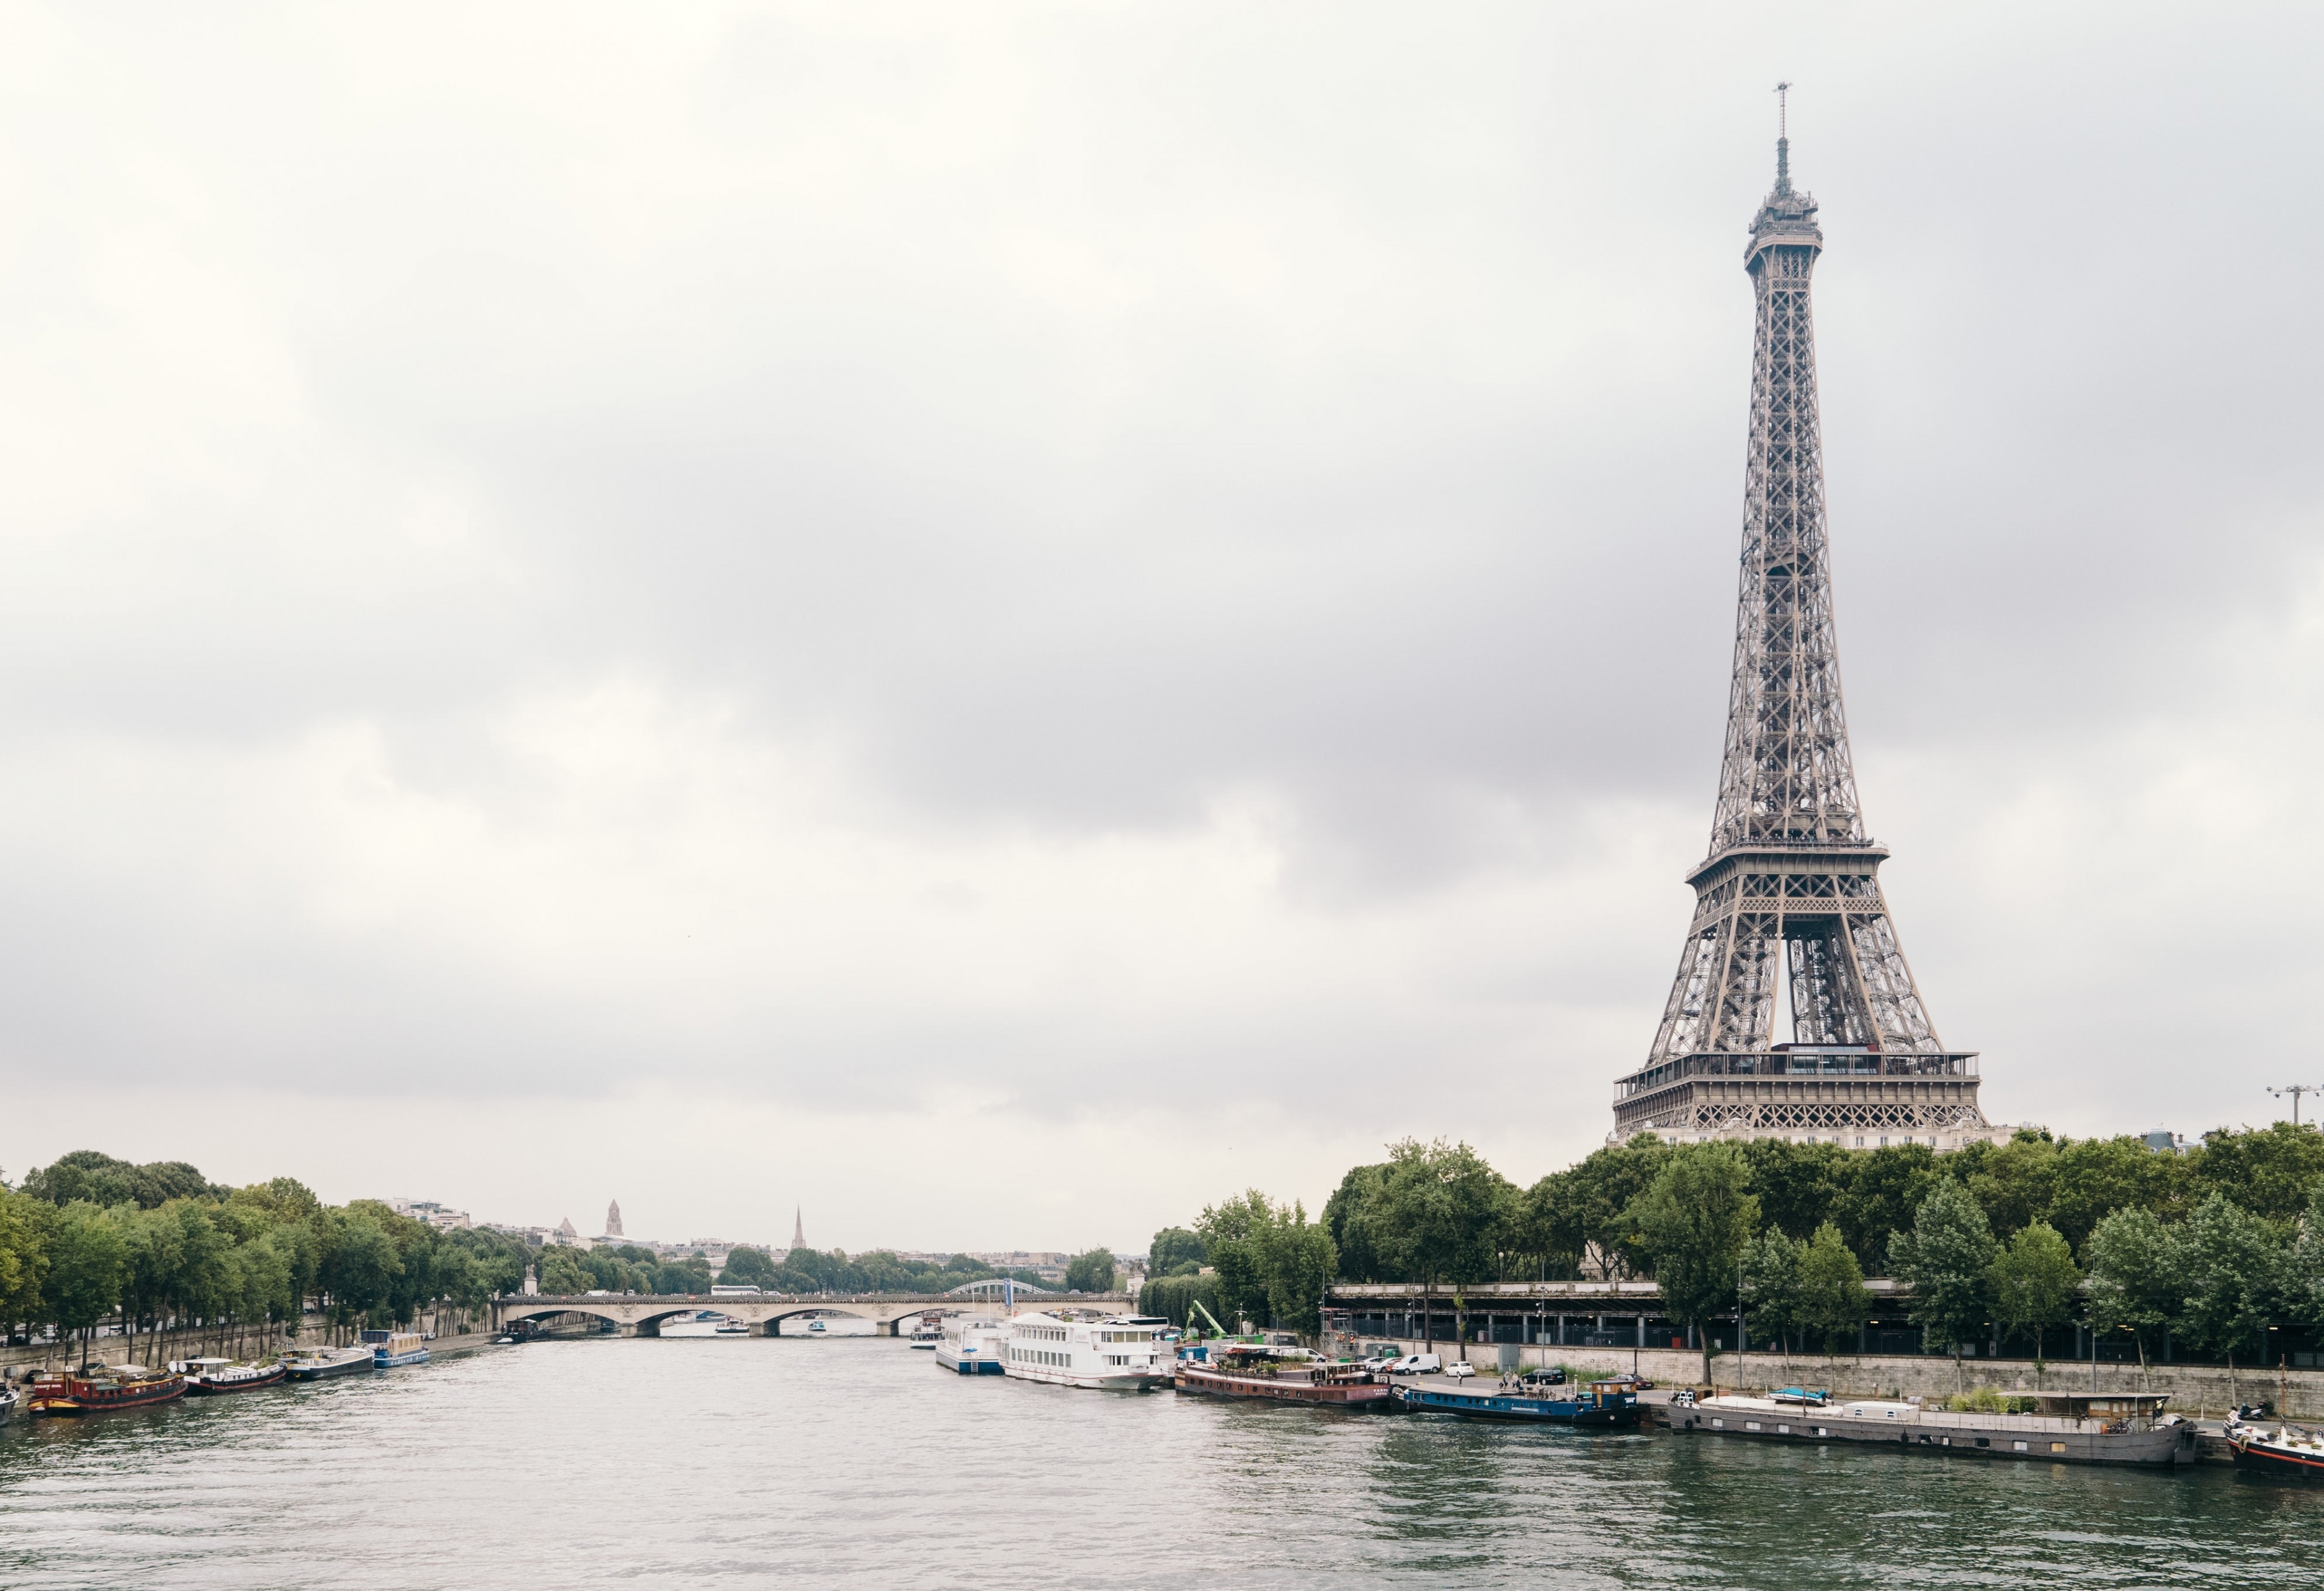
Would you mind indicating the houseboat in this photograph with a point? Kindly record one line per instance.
(100, 1389)
(1116, 1353)
(2065, 1428)
(1594, 1403)
(973, 1348)
(207, 1378)
(320, 1363)
(1279, 1375)
(2286, 1452)
(390, 1349)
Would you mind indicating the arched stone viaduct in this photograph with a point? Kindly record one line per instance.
(642, 1314)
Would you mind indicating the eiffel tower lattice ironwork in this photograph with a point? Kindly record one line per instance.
(1790, 890)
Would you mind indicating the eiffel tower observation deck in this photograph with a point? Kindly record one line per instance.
(1790, 890)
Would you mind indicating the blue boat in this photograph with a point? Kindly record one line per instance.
(1599, 1402)
(391, 1348)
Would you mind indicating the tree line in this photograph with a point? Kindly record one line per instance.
(2001, 1244)
(90, 1239)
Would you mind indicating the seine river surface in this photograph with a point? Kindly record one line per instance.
(852, 1461)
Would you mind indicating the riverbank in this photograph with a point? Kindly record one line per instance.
(2197, 1391)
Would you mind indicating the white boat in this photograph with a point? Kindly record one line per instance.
(929, 1331)
(972, 1347)
(1116, 1353)
(815, 1326)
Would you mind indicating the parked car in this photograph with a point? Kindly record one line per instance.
(1551, 1376)
(1459, 1368)
(1377, 1362)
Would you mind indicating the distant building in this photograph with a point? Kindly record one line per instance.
(798, 1226)
(442, 1217)
(568, 1237)
(2164, 1141)
(614, 1218)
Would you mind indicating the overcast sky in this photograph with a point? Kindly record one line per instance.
(999, 621)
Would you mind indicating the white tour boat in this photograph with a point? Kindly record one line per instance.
(973, 1348)
(1118, 1353)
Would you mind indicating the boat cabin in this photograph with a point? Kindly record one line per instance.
(2101, 1405)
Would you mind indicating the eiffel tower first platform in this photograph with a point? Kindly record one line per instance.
(1791, 888)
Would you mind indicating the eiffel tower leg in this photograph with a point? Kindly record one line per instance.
(1889, 994)
(1744, 1008)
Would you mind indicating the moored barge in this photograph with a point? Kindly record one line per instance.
(2066, 1428)
(1290, 1376)
(2286, 1453)
(320, 1363)
(390, 1349)
(207, 1378)
(1597, 1402)
(101, 1389)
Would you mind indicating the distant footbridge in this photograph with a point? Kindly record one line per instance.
(642, 1314)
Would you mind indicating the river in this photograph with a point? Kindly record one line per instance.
(852, 1461)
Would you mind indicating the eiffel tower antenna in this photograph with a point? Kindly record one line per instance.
(1790, 890)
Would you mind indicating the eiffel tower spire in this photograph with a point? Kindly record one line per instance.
(1790, 889)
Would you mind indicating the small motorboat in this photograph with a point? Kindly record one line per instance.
(815, 1326)
(504, 1341)
(8, 1403)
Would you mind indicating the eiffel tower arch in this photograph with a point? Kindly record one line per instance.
(1790, 892)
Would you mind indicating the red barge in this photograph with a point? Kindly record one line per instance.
(100, 1389)
(1288, 1375)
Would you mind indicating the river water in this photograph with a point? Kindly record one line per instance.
(854, 1461)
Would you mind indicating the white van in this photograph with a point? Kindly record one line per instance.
(1417, 1365)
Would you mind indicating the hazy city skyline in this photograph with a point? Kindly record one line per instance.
(840, 607)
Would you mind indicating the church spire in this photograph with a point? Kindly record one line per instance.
(798, 1228)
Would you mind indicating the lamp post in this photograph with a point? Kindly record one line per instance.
(2295, 1090)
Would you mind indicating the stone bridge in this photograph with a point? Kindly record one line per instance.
(640, 1314)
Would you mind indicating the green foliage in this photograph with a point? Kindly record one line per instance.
(2032, 1282)
(1984, 1400)
(88, 1258)
(1270, 1264)
(99, 1178)
(1885, 1187)
(1833, 1299)
(1172, 1298)
(1773, 1301)
(748, 1267)
(1946, 1257)
(1695, 1221)
(2136, 1263)
(1091, 1271)
(24, 1257)
(2272, 1172)
(2235, 1268)
(1797, 1184)
(1173, 1249)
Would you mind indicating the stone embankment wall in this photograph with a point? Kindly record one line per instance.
(2196, 1390)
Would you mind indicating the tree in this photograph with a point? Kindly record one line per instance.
(748, 1267)
(1834, 1300)
(86, 1257)
(360, 1264)
(1173, 1251)
(2096, 1176)
(2032, 1282)
(2235, 1272)
(1091, 1271)
(24, 1259)
(2272, 1172)
(1230, 1233)
(1945, 1258)
(1885, 1187)
(1771, 1286)
(1589, 1202)
(1798, 1185)
(1353, 1215)
(1441, 1210)
(2016, 1183)
(99, 1178)
(1297, 1261)
(2303, 1275)
(1695, 1221)
(2136, 1266)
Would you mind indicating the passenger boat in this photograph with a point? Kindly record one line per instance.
(1280, 1374)
(1594, 1403)
(320, 1363)
(210, 1377)
(1115, 1352)
(390, 1349)
(973, 1348)
(100, 1389)
(929, 1331)
(2286, 1452)
(2067, 1428)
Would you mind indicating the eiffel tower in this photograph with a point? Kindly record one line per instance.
(1791, 888)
